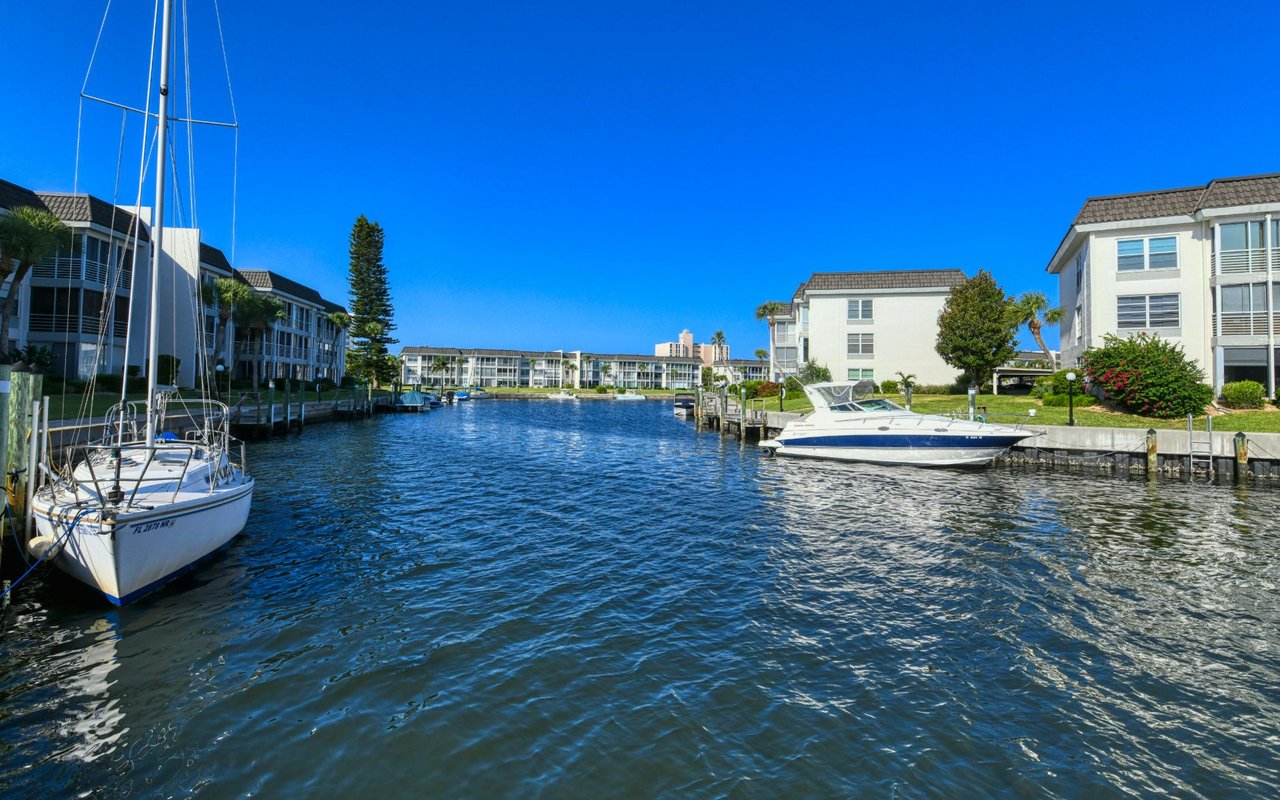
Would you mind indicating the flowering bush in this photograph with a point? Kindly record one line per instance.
(767, 389)
(1147, 375)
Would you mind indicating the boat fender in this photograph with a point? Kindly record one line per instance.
(980, 418)
(44, 547)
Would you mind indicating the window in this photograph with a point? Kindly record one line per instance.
(861, 375)
(1147, 311)
(860, 309)
(1250, 298)
(861, 344)
(1134, 255)
(1078, 322)
(1241, 235)
(1079, 272)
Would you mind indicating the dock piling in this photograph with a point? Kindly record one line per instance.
(1153, 453)
(1242, 456)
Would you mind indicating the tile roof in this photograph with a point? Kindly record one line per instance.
(87, 208)
(885, 279)
(71, 208)
(12, 195)
(266, 279)
(214, 257)
(1219, 193)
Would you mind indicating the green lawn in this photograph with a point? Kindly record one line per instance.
(1014, 408)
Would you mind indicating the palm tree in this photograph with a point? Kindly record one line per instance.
(906, 379)
(717, 342)
(27, 237)
(226, 294)
(586, 368)
(769, 311)
(341, 321)
(604, 373)
(1032, 309)
(259, 313)
(441, 365)
(571, 368)
(762, 354)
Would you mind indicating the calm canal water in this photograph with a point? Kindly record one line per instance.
(535, 599)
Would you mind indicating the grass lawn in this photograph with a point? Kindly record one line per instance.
(1011, 409)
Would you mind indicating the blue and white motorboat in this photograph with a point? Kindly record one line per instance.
(461, 395)
(631, 396)
(849, 424)
(683, 405)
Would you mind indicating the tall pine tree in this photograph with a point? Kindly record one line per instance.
(371, 313)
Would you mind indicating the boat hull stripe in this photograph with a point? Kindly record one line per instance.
(920, 441)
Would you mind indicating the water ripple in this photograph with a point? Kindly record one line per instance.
(516, 599)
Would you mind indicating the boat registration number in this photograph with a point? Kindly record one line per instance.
(148, 527)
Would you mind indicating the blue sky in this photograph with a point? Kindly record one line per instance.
(601, 175)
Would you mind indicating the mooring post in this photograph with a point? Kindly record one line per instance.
(288, 405)
(1153, 456)
(1242, 456)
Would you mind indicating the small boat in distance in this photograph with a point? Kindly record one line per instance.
(479, 394)
(849, 424)
(562, 395)
(412, 401)
(684, 404)
(625, 396)
(461, 394)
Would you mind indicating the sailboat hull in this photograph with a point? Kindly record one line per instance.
(146, 548)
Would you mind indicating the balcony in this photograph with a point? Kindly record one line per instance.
(1245, 323)
(63, 323)
(1244, 262)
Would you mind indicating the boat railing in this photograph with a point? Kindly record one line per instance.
(117, 486)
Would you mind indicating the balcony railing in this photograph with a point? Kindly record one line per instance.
(1245, 323)
(1252, 260)
(63, 323)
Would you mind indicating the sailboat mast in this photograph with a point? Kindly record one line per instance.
(157, 228)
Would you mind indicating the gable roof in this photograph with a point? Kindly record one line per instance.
(884, 279)
(73, 208)
(1218, 193)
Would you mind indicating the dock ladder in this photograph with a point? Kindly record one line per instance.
(1200, 446)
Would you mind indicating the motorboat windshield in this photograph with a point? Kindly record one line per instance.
(848, 396)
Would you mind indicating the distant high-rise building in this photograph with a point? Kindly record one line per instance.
(706, 353)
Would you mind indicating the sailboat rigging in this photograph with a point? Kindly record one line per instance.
(139, 508)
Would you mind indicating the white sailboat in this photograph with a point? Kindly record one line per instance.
(131, 513)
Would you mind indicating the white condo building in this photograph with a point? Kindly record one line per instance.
(1199, 266)
(865, 325)
(545, 369)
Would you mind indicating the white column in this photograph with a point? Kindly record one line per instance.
(1271, 325)
(1219, 370)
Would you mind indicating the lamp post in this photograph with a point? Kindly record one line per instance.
(1071, 398)
(217, 381)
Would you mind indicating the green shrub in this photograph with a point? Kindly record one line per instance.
(1244, 394)
(108, 382)
(1060, 400)
(1147, 375)
(602, 390)
(40, 359)
(752, 387)
(890, 386)
(939, 388)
